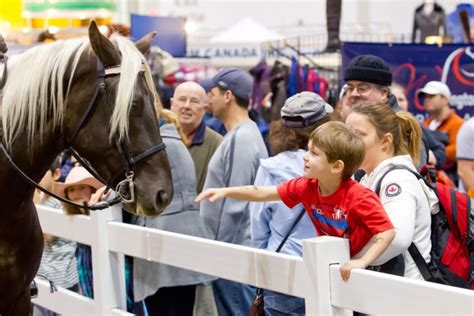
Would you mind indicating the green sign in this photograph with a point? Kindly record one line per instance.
(68, 5)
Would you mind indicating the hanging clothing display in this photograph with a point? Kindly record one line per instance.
(272, 88)
(261, 86)
(428, 22)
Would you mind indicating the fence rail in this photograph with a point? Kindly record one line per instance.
(315, 276)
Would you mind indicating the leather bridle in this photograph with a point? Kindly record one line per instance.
(125, 188)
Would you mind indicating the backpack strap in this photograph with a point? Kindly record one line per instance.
(414, 252)
(399, 167)
(454, 207)
(470, 238)
(300, 215)
(420, 262)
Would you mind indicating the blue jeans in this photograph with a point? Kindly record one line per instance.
(277, 304)
(232, 298)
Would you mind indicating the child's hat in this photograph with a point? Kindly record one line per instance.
(78, 175)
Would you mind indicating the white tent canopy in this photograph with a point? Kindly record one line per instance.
(246, 31)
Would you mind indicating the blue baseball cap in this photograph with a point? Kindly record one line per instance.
(233, 79)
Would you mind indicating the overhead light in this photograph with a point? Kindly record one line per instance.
(53, 29)
(103, 29)
(5, 25)
(190, 27)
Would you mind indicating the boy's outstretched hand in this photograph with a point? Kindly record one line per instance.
(349, 265)
(211, 194)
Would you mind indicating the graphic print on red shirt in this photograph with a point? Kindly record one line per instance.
(352, 212)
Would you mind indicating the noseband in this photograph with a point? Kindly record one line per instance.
(125, 188)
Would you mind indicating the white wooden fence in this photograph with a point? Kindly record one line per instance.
(315, 276)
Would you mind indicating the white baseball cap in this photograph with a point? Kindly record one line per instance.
(435, 88)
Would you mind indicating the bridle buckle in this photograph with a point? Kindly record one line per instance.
(126, 188)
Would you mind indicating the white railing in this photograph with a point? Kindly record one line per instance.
(315, 276)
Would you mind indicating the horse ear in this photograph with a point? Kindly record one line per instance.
(144, 43)
(103, 47)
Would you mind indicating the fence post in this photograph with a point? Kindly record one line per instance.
(108, 267)
(318, 254)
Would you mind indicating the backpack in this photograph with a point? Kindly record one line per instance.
(452, 234)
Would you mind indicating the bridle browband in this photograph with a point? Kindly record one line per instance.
(125, 189)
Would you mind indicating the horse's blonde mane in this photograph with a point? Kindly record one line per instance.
(35, 91)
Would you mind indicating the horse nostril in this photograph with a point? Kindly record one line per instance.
(162, 198)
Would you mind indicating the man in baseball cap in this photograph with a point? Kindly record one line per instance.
(443, 120)
(435, 88)
(234, 163)
(233, 79)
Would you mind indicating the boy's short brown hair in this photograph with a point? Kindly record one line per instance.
(339, 142)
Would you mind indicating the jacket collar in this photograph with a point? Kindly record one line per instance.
(198, 138)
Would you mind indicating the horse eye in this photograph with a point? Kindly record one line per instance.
(136, 109)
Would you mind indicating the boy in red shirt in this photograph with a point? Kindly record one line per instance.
(337, 205)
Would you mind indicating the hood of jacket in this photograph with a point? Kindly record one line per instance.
(169, 130)
(286, 165)
(261, 69)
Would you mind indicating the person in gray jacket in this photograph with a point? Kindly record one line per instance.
(169, 290)
(235, 162)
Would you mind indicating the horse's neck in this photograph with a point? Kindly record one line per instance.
(34, 161)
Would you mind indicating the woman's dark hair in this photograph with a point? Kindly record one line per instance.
(283, 138)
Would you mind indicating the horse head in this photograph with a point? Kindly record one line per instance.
(113, 123)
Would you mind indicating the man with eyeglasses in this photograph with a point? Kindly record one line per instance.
(368, 78)
(189, 104)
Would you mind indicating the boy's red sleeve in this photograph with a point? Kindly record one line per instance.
(292, 192)
(372, 214)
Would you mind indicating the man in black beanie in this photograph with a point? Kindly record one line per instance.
(368, 78)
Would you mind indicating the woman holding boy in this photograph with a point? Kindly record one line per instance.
(392, 140)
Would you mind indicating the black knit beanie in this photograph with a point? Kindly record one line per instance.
(369, 68)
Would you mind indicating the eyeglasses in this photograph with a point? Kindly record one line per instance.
(193, 101)
(362, 89)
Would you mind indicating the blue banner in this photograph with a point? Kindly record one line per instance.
(413, 65)
(170, 34)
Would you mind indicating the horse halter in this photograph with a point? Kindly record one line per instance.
(126, 188)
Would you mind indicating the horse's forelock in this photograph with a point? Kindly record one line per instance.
(35, 87)
(131, 65)
(28, 96)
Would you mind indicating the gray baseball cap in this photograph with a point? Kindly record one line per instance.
(304, 109)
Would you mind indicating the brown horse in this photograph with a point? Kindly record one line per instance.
(96, 96)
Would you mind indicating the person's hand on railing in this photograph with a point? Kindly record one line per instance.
(349, 265)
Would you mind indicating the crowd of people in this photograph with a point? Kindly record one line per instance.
(233, 185)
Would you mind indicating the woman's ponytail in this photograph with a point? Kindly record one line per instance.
(410, 135)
